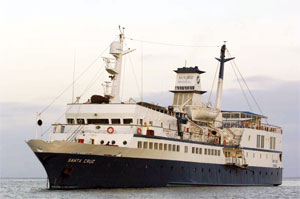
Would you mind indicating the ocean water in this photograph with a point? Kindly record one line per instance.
(36, 188)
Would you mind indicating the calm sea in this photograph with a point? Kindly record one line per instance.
(36, 188)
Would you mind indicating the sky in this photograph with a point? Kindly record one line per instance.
(39, 41)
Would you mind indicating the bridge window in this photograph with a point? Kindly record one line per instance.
(80, 121)
(200, 150)
(127, 121)
(193, 149)
(70, 121)
(155, 146)
(97, 121)
(116, 121)
(178, 148)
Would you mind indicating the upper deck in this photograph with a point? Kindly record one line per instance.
(245, 119)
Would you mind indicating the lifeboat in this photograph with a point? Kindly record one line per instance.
(196, 112)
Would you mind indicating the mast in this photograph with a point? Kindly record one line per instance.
(222, 61)
(116, 49)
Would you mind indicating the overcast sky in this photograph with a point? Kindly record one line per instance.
(38, 40)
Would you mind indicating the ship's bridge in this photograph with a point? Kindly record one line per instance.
(246, 119)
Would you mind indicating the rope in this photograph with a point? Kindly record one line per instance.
(256, 103)
(86, 69)
(213, 83)
(94, 80)
(132, 68)
(241, 87)
(169, 44)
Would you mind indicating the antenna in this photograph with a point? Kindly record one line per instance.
(73, 74)
(142, 73)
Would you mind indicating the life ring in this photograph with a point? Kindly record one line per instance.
(110, 130)
(139, 131)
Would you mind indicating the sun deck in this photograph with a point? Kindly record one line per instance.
(246, 119)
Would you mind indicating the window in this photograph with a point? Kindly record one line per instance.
(155, 146)
(178, 148)
(139, 145)
(116, 121)
(145, 145)
(160, 146)
(127, 121)
(272, 142)
(113, 142)
(197, 151)
(165, 147)
(80, 121)
(62, 129)
(141, 121)
(208, 153)
(70, 121)
(150, 123)
(205, 151)
(186, 149)
(193, 149)
(97, 121)
(262, 141)
(150, 145)
(219, 152)
(170, 147)
(200, 150)
(258, 141)
(125, 142)
(174, 147)
(162, 125)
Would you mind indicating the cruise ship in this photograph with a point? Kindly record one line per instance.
(107, 143)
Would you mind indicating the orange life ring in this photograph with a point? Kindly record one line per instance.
(110, 130)
(139, 131)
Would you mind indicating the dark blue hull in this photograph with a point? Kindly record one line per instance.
(73, 171)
